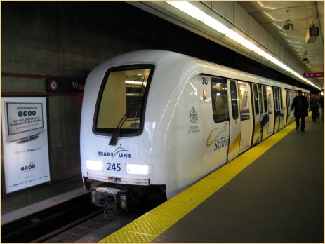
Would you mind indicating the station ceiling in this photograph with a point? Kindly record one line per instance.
(271, 16)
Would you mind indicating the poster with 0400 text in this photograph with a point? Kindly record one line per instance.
(25, 142)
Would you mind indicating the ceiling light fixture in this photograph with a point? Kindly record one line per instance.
(312, 34)
(198, 14)
(287, 24)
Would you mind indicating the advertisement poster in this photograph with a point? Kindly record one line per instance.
(25, 142)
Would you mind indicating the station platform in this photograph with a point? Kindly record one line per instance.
(274, 192)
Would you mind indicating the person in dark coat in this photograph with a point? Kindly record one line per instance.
(314, 107)
(300, 104)
(321, 102)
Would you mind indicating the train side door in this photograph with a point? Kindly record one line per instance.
(286, 107)
(256, 114)
(270, 109)
(282, 115)
(246, 116)
(214, 108)
(260, 99)
(276, 109)
(288, 102)
(235, 135)
(265, 120)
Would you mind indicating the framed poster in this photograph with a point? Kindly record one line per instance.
(25, 142)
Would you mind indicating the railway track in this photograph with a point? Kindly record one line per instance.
(93, 229)
(77, 220)
(46, 221)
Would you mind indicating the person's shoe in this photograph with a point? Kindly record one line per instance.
(302, 129)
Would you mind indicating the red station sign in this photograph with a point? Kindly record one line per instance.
(313, 75)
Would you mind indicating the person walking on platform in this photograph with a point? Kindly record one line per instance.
(300, 104)
(321, 102)
(314, 107)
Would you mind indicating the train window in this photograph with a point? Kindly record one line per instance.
(275, 96)
(219, 99)
(265, 97)
(255, 98)
(260, 98)
(121, 100)
(288, 98)
(243, 100)
(280, 98)
(269, 100)
(234, 101)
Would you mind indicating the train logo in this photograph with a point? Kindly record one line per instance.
(193, 115)
(120, 151)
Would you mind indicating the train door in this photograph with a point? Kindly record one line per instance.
(288, 102)
(260, 99)
(270, 110)
(234, 136)
(285, 106)
(282, 115)
(265, 120)
(246, 117)
(214, 108)
(256, 115)
(276, 109)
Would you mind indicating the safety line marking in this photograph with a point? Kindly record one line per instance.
(149, 226)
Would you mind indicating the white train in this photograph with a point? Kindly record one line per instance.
(157, 120)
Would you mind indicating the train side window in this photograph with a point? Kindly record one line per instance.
(260, 98)
(275, 95)
(288, 98)
(255, 98)
(265, 98)
(234, 101)
(243, 100)
(219, 99)
(280, 98)
(269, 100)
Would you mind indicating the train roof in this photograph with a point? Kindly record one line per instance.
(161, 58)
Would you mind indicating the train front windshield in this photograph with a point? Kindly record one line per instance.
(122, 99)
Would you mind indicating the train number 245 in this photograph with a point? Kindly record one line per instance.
(114, 166)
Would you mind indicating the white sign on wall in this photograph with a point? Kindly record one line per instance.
(25, 142)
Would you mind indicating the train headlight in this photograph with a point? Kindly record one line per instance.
(94, 164)
(138, 169)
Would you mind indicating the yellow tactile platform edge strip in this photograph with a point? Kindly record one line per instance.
(152, 224)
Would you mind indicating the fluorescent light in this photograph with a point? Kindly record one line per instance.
(134, 82)
(94, 165)
(198, 14)
(138, 169)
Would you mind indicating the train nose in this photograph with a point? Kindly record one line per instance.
(110, 198)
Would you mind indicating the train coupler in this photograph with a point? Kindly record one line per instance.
(109, 198)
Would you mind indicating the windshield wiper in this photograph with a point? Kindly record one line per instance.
(114, 138)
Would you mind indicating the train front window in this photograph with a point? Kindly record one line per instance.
(121, 100)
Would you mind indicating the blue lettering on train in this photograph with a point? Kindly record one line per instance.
(123, 155)
(111, 154)
(105, 154)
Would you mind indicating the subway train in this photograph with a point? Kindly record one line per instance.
(153, 122)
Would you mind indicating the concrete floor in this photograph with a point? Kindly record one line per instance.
(278, 198)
